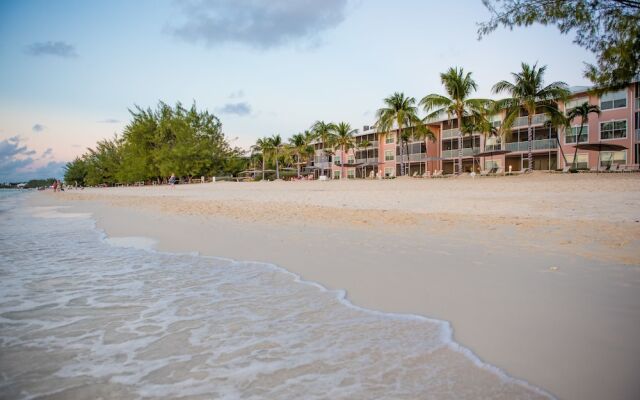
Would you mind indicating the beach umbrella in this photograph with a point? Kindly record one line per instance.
(599, 147)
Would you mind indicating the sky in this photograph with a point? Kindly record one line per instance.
(71, 70)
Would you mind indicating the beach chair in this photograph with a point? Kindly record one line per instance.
(437, 174)
(613, 167)
(498, 171)
(484, 172)
(427, 174)
(566, 169)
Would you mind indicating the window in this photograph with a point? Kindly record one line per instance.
(351, 159)
(490, 164)
(613, 100)
(390, 138)
(582, 160)
(336, 174)
(336, 159)
(351, 173)
(575, 103)
(608, 158)
(613, 130)
(388, 155)
(572, 135)
(389, 172)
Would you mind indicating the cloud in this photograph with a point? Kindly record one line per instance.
(257, 23)
(58, 49)
(17, 165)
(241, 109)
(109, 121)
(48, 153)
(37, 128)
(237, 94)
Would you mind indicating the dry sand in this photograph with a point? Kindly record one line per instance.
(539, 275)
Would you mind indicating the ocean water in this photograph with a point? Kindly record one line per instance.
(84, 317)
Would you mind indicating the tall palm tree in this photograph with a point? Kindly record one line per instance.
(559, 121)
(363, 146)
(423, 132)
(402, 112)
(345, 141)
(459, 86)
(298, 146)
(263, 147)
(529, 93)
(276, 144)
(582, 111)
(325, 132)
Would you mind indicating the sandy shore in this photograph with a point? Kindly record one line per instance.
(539, 275)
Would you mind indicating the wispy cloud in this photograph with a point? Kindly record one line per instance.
(57, 49)
(238, 94)
(109, 121)
(257, 23)
(38, 128)
(241, 109)
(17, 163)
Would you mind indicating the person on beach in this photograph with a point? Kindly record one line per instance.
(55, 186)
(172, 180)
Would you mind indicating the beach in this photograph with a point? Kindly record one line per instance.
(538, 275)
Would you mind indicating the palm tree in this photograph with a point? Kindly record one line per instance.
(325, 132)
(399, 110)
(459, 87)
(529, 93)
(263, 147)
(559, 121)
(276, 144)
(344, 140)
(363, 145)
(423, 132)
(582, 111)
(298, 145)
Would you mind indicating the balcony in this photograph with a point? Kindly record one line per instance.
(543, 144)
(492, 147)
(537, 119)
(322, 164)
(466, 152)
(412, 157)
(372, 144)
(638, 135)
(450, 133)
(367, 161)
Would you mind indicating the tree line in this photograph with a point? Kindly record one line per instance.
(155, 144)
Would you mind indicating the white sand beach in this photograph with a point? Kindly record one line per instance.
(539, 275)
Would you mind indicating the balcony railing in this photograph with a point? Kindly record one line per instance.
(373, 143)
(367, 161)
(537, 119)
(492, 147)
(412, 157)
(542, 144)
(466, 152)
(322, 164)
(638, 135)
(450, 133)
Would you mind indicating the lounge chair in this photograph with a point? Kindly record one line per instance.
(613, 167)
(437, 174)
(566, 169)
(498, 171)
(485, 172)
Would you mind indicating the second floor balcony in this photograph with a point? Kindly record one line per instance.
(466, 152)
(537, 119)
(541, 144)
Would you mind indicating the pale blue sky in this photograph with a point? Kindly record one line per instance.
(70, 69)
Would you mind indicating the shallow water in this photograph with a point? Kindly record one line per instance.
(85, 317)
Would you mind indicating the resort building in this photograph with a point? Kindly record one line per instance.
(380, 153)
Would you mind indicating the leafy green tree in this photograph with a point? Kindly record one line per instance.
(459, 86)
(608, 28)
(104, 162)
(276, 144)
(325, 132)
(582, 111)
(75, 172)
(401, 111)
(298, 146)
(345, 141)
(263, 148)
(528, 93)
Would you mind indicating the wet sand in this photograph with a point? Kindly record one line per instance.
(537, 274)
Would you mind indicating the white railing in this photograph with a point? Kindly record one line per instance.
(537, 119)
(492, 147)
(466, 152)
(370, 160)
(412, 157)
(542, 144)
(450, 133)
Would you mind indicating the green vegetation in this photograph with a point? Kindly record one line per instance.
(155, 144)
(459, 86)
(402, 112)
(582, 111)
(608, 28)
(528, 93)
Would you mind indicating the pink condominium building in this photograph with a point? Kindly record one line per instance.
(379, 153)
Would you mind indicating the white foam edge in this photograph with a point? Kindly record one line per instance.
(446, 335)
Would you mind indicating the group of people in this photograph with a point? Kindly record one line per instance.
(57, 186)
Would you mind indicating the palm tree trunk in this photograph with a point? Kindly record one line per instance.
(529, 146)
(342, 163)
(460, 144)
(277, 169)
(298, 164)
(575, 154)
(399, 141)
(263, 167)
